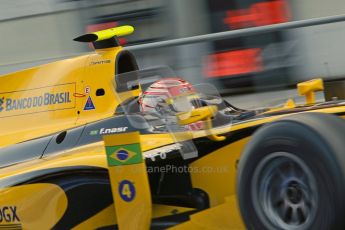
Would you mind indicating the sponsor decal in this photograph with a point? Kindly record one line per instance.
(43, 99)
(104, 131)
(100, 62)
(87, 89)
(93, 132)
(124, 154)
(127, 190)
(89, 104)
(8, 214)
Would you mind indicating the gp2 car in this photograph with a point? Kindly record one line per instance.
(78, 151)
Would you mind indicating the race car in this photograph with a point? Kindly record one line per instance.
(94, 142)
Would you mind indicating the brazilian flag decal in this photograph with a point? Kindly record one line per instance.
(124, 154)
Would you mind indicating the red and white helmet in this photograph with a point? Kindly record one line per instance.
(162, 91)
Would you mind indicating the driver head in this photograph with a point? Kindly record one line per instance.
(173, 94)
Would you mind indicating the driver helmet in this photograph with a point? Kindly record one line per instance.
(170, 94)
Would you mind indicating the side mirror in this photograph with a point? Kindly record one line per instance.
(201, 114)
(308, 89)
(198, 114)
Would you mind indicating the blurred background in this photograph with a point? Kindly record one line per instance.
(34, 32)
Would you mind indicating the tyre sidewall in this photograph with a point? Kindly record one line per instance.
(308, 146)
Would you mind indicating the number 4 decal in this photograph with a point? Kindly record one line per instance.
(126, 190)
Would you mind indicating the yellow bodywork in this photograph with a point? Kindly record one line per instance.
(46, 99)
(214, 173)
(35, 206)
(129, 181)
(71, 78)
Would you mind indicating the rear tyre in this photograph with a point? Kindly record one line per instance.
(292, 174)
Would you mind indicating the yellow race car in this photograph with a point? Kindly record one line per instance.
(83, 147)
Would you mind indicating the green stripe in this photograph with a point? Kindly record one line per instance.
(133, 150)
